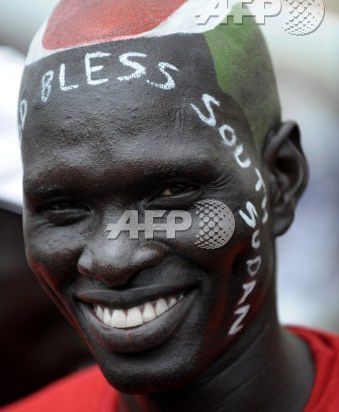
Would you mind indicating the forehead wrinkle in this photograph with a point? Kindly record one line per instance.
(124, 120)
(93, 131)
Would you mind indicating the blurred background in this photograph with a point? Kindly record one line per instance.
(36, 341)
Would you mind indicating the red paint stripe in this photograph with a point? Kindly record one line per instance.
(81, 22)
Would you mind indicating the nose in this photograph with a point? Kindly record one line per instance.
(114, 262)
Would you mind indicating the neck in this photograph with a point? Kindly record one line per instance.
(266, 369)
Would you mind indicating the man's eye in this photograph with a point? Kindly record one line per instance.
(63, 205)
(175, 190)
(64, 212)
(60, 206)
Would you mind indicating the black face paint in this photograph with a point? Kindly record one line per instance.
(107, 129)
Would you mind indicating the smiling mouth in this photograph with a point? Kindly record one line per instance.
(138, 315)
(135, 320)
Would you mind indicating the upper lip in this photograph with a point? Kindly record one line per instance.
(131, 297)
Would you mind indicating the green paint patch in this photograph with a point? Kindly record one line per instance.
(244, 71)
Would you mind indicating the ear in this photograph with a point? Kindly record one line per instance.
(288, 174)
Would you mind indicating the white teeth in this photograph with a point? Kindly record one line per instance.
(148, 313)
(171, 302)
(134, 318)
(107, 317)
(120, 319)
(160, 307)
(99, 312)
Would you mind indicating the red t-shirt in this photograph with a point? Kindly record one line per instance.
(88, 390)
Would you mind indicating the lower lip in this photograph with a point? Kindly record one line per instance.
(143, 337)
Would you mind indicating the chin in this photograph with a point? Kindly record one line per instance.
(168, 367)
(157, 377)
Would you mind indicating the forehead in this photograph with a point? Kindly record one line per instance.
(124, 100)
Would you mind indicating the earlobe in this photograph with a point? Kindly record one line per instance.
(288, 174)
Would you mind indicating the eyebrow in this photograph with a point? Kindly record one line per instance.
(155, 171)
(43, 191)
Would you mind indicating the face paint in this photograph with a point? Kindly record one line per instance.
(242, 62)
(64, 30)
(253, 264)
(121, 20)
(22, 115)
(229, 46)
(93, 76)
(109, 127)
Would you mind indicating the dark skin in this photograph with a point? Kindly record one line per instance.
(84, 167)
(234, 381)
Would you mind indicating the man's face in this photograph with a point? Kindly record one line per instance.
(91, 153)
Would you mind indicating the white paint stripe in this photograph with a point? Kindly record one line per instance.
(194, 16)
(36, 50)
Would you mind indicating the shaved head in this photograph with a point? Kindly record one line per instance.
(244, 72)
(234, 57)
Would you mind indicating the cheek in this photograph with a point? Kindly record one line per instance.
(222, 260)
(52, 252)
(237, 273)
(211, 240)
